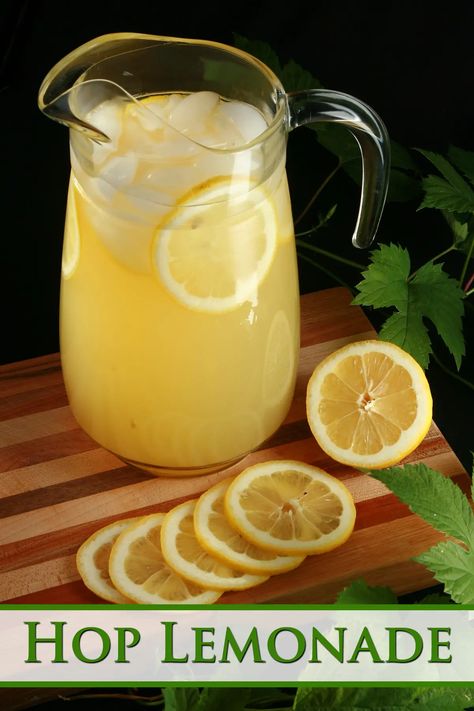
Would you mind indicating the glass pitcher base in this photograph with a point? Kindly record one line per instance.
(177, 472)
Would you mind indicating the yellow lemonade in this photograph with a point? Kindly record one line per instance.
(179, 296)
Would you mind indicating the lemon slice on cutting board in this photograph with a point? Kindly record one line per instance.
(214, 249)
(219, 539)
(137, 568)
(369, 404)
(92, 560)
(183, 552)
(290, 508)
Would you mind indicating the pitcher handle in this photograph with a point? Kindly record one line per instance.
(320, 105)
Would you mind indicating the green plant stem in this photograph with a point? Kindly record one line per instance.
(433, 259)
(466, 262)
(328, 272)
(330, 255)
(468, 293)
(318, 192)
(468, 285)
(450, 372)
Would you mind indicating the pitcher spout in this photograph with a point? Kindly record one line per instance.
(86, 77)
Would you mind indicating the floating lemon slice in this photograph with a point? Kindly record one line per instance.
(138, 570)
(217, 537)
(279, 364)
(92, 560)
(290, 508)
(213, 251)
(183, 552)
(71, 242)
(369, 404)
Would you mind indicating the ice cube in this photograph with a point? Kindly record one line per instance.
(149, 113)
(246, 118)
(120, 171)
(192, 112)
(107, 117)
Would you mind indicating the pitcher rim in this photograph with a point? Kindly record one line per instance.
(281, 113)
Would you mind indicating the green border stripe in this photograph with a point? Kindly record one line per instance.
(235, 684)
(230, 608)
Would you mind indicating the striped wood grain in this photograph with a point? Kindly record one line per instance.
(58, 485)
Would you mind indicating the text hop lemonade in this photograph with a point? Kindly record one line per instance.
(179, 303)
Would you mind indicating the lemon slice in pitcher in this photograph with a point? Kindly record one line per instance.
(369, 404)
(213, 251)
(71, 242)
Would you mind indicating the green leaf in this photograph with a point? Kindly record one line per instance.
(269, 698)
(440, 298)
(401, 157)
(453, 566)
(407, 330)
(380, 699)
(435, 599)
(384, 281)
(338, 140)
(295, 78)
(429, 294)
(402, 187)
(459, 229)
(464, 160)
(440, 194)
(472, 477)
(180, 699)
(433, 496)
(359, 593)
(451, 192)
(449, 173)
(261, 50)
(217, 699)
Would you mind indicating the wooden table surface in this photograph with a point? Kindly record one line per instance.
(58, 485)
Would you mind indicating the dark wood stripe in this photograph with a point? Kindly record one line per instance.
(44, 449)
(30, 401)
(57, 544)
(71, 490)
(291, 432)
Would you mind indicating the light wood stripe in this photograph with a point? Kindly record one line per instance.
(157, 492)
(39, 424)
(58, 486)
(341, 565)
(38, 577)
(57, 471)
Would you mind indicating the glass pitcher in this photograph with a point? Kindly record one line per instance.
(179, 323)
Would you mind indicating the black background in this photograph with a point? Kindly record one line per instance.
(412, 61)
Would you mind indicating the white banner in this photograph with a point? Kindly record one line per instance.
(236, 646)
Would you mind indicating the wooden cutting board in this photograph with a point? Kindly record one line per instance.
(58, 485)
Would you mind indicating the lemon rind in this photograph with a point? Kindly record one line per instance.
(410, 438)
(281, 564)
(135, 592)
(85, 561)
(189, 570)
(290, 547)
